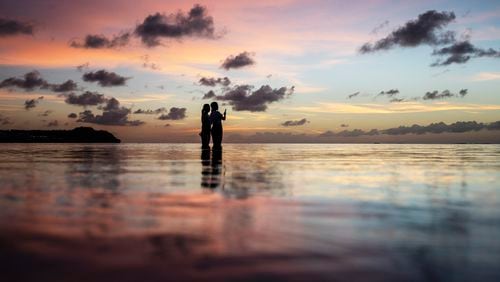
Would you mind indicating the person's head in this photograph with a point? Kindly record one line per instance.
(206, 108)
(214, 106)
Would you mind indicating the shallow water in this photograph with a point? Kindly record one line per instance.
(156, 212)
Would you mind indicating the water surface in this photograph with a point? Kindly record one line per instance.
(156, 212)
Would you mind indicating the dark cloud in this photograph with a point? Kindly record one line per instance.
(83, 66)
(174, 114)
(33, 79)
(423, 30)
(150, 112)
(210, 94)
(86, 99)
(379, 27)
(147, 64)
(397, 100)
(238, 61)
(45, 114)
(295, 122)
(389, 93)
(32, 103)
(67, 86)
(30, 81)
(344, 125)
(242, 98)
(53, 123)
(97, 41)
(196, 23)
(9, 27)
(460, 126)
(4, 120)
(113, 114)
(212, 81)
(462, 52)
(105, 78)
(440, 127)
(72, 115)
(353, 95)
(444, 94)
(29, 104)
(493, 126)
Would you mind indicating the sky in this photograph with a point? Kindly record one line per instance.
(305, 71)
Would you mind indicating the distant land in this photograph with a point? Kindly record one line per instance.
(76, 135)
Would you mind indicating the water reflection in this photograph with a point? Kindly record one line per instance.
(275, 212)
(211, 172)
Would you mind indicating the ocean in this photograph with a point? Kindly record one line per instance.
(253, 212)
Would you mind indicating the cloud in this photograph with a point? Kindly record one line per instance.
(353, 95)
(150, 112)
(295, 122)
(440, 127)
(9, 27)
(376, 29)
(238, 61)
(460, 126)
(212, 81)
(397, 100)
(423, 30)
(5, 120)
(81, 67)
(30, 81)
(97, 41)
(33, 79)
(444, 94)
(174, 114)
(72, 115)
(389, 93)
(53, 123)
(242, 98)
(66, 86)
(344, 125)
(32, 103)
(462, 52)
(484, 76)
(45, 114)
(112, 114)
(210, 94)
(196, 23)
(105, 78)
(86, 99)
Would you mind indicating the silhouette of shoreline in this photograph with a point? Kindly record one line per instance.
(76, 135)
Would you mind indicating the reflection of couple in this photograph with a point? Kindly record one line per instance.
(211, 125)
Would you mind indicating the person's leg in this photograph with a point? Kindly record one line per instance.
(216, 137)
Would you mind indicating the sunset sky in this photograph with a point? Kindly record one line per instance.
(299, 68)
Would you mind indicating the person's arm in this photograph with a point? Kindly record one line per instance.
(224, 116)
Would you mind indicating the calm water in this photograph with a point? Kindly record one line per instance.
(160, 212)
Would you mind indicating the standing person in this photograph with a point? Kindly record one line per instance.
(216, 119)
(205, 127)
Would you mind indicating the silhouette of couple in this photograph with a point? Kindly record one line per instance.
(211, 125)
